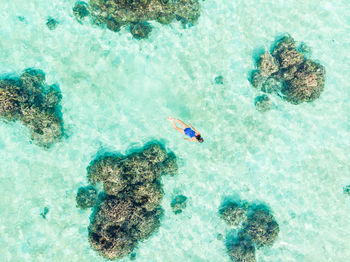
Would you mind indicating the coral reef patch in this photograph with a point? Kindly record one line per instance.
(140, 30)
(242, 250)
(117, 13)
(80, 10)
(263, 103)
(130, 211)
(289, 73)
(36, 105)
(233, 214)
(52, 23)
(257, 228)
(261, 227)
(86, 197)
(219, 80)
(178, 204)
(45, 212)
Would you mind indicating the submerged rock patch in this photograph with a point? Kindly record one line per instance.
(233, 214)
(178, 204)
(287, 72)
(36, 105)
(130, 211)
(219, 80)
(258, 228)
(140, 30)
(242, 250)
(117, 13)
(52, 23)
(261, 227)
(86, 197)
(263, 103)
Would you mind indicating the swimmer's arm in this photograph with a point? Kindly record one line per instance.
(189, 139)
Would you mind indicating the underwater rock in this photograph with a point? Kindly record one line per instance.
(154, 153)
(307, 84)
(52, 98)
(107, 167)
(148, 225)
(11, 98)
(108, 232)
(299, 79)
(347, 190)
(287, 43)
(117, 13)
(133, 256)
(267, 64)
(263, 103)
(52, 23)
(118, 225)
(86, 197)
(305, 49)
(219, 80)
(148, 195)
(130, 211)
(80, 10)
(219, 236)
(45, 212)
(272, 85)
(29, 100)
(290, 58)
(242, 251)
(261, 227)
(169, 165)
(113, 25)
(233, 214)
(178, 204)
(140, 30)
(138, 169)
(288, 73)
(22, 19)
(258, 80)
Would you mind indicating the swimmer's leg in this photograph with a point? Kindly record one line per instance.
(175, 127)
(180, 122)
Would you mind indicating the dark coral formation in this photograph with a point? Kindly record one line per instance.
(233, 214)
(133, 256)
(80, 10)
(45, 212)
(347, 190)
(130, 211)
(262, 228)
(178, 204)
(36, 105)
(259, 229)
(242, 250)
(52, 23)
(263, 103)
(267, 65)
(140, 30)
(288, 72)
(219, 80)
(117, 13)
(86, 197)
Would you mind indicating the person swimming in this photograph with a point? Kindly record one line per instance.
(188, 130)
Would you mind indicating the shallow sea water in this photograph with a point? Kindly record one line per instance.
(117, 93)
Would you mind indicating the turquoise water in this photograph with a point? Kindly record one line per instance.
(117, 93)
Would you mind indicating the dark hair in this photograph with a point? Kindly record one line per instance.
(199, 138)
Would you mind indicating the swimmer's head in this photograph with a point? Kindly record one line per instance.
(199, 138)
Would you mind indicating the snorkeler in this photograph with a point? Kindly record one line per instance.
(188, 131)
